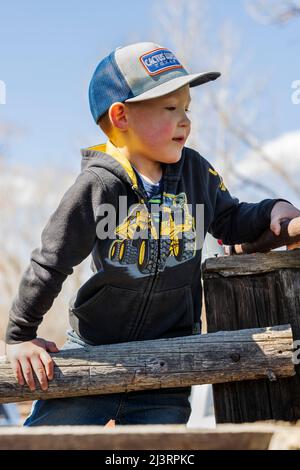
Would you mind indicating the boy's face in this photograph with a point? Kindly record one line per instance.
(158, 128)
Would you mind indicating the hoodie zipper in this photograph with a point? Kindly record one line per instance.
(143, 198)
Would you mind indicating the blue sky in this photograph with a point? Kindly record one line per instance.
(49, 50)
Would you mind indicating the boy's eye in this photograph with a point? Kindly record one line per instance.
(172, 108)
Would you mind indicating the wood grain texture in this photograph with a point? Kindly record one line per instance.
(257, 263)
(286, 439)
(173, 437)
(265, 291)
(176, 362)
(256, 436)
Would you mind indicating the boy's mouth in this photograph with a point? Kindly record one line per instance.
(180, 140)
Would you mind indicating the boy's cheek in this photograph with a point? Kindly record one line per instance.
(159, 135)
(165, 131)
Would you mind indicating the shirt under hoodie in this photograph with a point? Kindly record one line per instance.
(140, 287)
(152, 189)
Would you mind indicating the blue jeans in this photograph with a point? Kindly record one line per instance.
(163, 406)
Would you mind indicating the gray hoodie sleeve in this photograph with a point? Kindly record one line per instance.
(66, 240)
(233, 221)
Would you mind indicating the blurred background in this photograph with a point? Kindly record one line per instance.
(246, 123)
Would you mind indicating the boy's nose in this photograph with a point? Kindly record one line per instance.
(185, 122)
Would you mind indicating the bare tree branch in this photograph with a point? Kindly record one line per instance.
(253, 144)
(223, 120)
(255, 184)
(273, 11)
(242, 179)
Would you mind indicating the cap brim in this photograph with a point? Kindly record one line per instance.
(176, 83)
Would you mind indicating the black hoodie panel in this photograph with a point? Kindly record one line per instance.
(138, 290)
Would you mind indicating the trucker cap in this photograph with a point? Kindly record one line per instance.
(139, 72)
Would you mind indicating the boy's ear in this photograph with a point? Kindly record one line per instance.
(118, 116)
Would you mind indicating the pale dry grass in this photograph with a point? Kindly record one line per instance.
(53, 327)
(55, 322)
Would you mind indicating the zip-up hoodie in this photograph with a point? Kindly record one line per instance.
(140, 288)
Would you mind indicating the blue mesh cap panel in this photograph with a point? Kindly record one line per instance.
(107, 86)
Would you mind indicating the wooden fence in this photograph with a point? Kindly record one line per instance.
(255, 290)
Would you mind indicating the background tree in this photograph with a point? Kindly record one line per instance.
(28, 197)
(274, 11)
(224, 115)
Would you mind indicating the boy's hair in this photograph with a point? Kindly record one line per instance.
(105, 124)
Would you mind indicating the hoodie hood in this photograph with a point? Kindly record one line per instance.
(109, 157)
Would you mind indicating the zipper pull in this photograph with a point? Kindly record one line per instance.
(141, 196)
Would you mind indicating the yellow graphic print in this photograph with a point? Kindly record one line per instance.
(222, 185)
(137, 236)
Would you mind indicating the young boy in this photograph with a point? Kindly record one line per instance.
(147, 268)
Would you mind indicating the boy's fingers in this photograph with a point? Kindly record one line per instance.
(48, 364)
(39, 370)
(27, 373)
(16, 367)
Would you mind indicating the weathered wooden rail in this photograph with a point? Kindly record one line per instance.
(258, 436)
(176, 362)
(255, 290)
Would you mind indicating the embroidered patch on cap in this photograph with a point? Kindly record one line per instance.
(159, 61)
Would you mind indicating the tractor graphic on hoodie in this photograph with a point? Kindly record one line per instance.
(137, 237)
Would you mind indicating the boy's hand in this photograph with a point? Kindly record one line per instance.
(281, 211)
(32, 356)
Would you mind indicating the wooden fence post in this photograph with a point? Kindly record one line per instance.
(249, 291)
